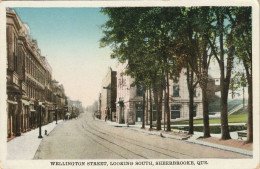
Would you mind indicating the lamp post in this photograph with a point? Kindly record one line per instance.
(55, 104)
(40, 127)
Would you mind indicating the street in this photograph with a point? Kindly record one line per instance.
(86, 138)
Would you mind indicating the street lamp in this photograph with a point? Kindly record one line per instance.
(40, 127)
(55, 104)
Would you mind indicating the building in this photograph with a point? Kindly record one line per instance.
(130, 98)
(49, 106)
(108, 96)
(59, 100)
(179, 99)
(30, 100)
(97, 113)
(26, 77)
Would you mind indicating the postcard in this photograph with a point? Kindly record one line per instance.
(129, 84)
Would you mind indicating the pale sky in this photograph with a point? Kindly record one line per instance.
(68, 37)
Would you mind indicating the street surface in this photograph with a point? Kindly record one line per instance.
(86, 138)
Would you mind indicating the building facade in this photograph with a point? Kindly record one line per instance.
(130, 99)
(108, 96)
(29, 80)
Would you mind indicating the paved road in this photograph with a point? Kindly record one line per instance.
(86, 138)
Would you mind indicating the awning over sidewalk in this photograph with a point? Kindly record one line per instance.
(11, 102)
(25, 102)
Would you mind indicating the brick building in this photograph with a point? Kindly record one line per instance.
(29, 76)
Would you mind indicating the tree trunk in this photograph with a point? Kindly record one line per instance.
(143, 120)
(250, 103)
(160, 107)
(224, 114)
(165, 111)
(167, 103)
(224, 81)
(151, 109)
(191, 98)
(158, 122)
(250, 112)
(146, 110)
(205, 112)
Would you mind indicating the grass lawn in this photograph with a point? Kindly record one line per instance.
(237, 117)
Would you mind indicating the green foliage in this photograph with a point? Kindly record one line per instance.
(157, 41)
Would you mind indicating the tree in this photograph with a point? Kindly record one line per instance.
(241, 18)
(193, 45)
(128, 41)
(224, 35)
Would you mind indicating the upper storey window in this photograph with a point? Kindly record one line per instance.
(139, 90)
(176, 91)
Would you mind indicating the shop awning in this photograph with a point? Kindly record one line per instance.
(25, 102)
(11, 102)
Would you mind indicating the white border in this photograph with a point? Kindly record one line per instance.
(213, 163)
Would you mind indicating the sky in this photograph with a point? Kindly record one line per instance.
(69, 39)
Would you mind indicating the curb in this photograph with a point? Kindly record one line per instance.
(186, 139)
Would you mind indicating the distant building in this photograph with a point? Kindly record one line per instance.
(74, 108)
(97, 113)
(59, 99)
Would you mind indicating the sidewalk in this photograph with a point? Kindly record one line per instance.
(185, 137)
(25, 146)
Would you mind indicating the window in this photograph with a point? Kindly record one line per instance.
(154, 113)
(176, 91)
(138, 112)
(195, 110)
(139, 90)
(175, 111)
(195, 93)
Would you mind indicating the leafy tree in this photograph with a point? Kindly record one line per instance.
(242, 19)
(223, 34)
(129, 42)
(193, 45)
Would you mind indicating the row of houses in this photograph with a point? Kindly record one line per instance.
(121, 101)
(31, 90)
